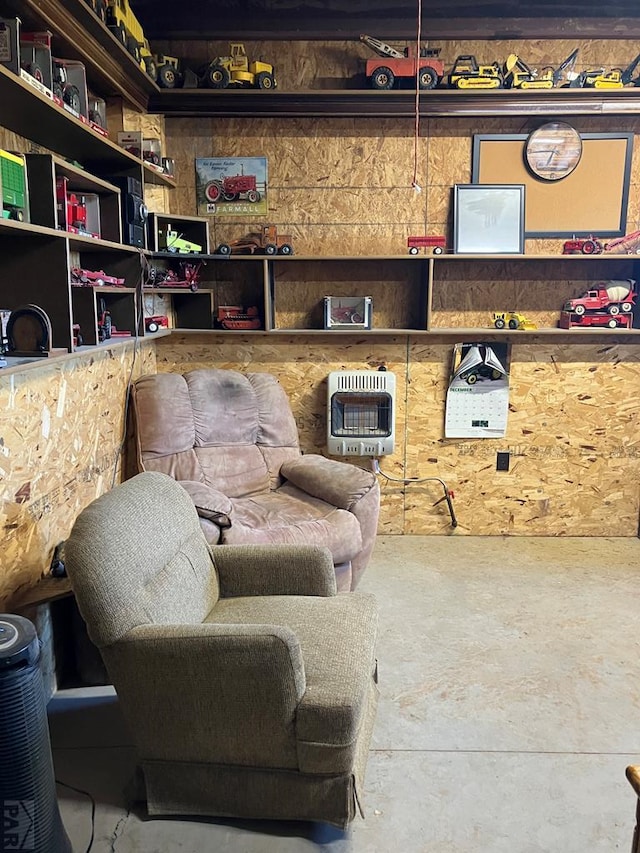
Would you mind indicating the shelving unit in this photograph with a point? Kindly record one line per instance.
(41, 259)
(465, 290)
(446, 296)
(80, 34)
(119, 302)
(44, 170)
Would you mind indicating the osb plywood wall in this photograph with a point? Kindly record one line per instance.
(61, 429)
(572, 431)
(343, 187)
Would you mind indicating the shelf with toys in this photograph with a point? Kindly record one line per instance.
(473, 296)
(79, 33)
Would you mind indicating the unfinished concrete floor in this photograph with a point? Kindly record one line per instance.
(509, 709)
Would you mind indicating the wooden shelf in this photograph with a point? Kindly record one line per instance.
(31, 114)
(435, 103)
(152, 176)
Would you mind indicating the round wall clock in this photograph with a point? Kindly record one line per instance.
(553, 151)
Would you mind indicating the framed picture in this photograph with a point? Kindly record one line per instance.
(488, 219)
(231, 186)
(591, 200)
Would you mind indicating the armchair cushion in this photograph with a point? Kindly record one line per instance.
(338, 671)
(181, 683)
(290, 516)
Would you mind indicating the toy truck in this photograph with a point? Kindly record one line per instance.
(518, 75)
(126, 28)
(266, 241)
(176, 244)
(611, 297)
(402, 65)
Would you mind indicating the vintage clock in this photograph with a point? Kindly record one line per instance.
(553, 150)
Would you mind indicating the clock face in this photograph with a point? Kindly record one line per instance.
(553, 151)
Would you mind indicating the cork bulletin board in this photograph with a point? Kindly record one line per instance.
(592, 200)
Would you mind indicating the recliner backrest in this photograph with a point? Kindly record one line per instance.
(137, 556)
(227, 429)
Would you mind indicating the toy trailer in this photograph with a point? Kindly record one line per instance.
(436, 243)
(13, 186)
(601, 318)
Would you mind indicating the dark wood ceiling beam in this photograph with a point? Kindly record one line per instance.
(392, 104)
(195, 22)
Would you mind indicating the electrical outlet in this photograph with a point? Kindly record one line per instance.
(502, 462)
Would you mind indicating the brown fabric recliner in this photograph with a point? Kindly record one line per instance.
(248, 684)
(230, 439)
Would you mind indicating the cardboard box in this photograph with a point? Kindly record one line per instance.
(152, 153)
(35, 56)
(70, 87)
(10, 43)
(131, 141)
(97, 114)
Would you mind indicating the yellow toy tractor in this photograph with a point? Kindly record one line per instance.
(236, 70)
(512, 319)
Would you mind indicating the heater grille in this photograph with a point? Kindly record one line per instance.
(361, 413)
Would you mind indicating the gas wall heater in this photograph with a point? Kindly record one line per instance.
(361, 413)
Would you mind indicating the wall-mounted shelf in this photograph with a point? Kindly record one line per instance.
(434, 103)
(31, 114)
(445, 296)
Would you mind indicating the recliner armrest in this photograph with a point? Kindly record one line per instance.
(338, 483)
(274, 570)
(210, 503)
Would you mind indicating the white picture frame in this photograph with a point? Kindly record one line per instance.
(488, 219)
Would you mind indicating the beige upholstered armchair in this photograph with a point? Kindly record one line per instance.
(248, 684)
(231, 441)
